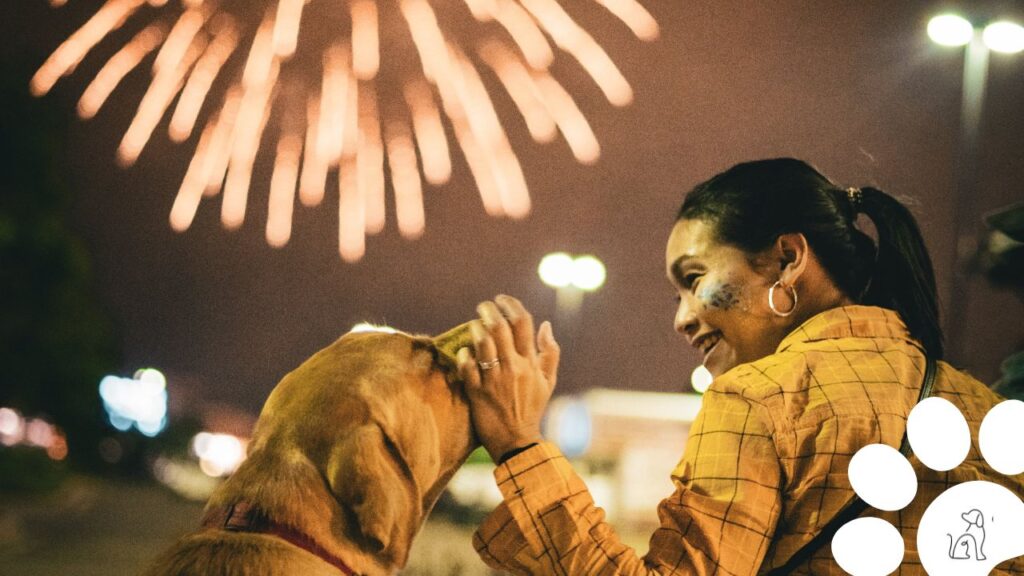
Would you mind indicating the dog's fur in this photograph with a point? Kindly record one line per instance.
(352, 449)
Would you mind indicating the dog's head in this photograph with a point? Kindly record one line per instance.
(385, 417)
(974, 517)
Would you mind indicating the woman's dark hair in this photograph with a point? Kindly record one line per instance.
(751, 204)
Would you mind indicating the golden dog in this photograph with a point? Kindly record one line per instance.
(349, 455)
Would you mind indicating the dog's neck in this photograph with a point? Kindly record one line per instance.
(244, 517)
(296, 496)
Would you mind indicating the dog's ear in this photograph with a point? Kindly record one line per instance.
(365, 478)
(449, 343)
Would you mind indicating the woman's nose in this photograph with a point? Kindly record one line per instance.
(686, 317)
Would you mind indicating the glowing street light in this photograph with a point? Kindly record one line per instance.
(560, 270)
(556, 270)
(950, 30)
(954, 30)
(588, 273)
(1005, 37)
(571, 277)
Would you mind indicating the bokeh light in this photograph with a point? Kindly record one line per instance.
(569, 424)
(560, 270)
(950, 30)
(1005, 37)
(12, 427)
(34, 432)
(184, 477)
(588, 273)
(139, 402)
(219, 454)
(701, 379)
(556, 269)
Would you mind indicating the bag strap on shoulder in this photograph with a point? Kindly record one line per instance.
(856, 506)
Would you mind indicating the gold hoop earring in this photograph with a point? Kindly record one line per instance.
(771, 299)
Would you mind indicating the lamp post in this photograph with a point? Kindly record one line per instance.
(571, 277)
(1001, 36)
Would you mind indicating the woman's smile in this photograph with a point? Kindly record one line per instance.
(714, 283)
(707, 343)
(718, 355)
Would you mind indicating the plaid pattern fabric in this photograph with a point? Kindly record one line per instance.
(765, 465)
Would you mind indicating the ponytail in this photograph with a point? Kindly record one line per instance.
(903, 279)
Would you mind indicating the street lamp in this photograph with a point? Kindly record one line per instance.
(1005, 37)
(953, 30)
(571, 277)
(950, 30)
(1001, 36)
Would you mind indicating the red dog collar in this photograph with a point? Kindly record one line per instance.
(243, 517)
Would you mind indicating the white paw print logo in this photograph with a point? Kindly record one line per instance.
(966, 530)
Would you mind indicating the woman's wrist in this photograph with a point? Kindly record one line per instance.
(508, 455)
(502, 452)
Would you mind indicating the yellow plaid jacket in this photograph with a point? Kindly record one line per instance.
(765, 464)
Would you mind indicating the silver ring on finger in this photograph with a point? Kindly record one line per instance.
(488, 364)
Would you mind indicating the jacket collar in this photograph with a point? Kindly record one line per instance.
(849, 322)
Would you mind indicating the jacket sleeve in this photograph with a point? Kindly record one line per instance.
(719, 520)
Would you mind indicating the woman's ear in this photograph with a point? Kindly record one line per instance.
(793, 253)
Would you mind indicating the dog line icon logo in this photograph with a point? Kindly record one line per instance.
(954, 536)
(971, 543)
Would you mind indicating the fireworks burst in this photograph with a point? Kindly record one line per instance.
(315, 93)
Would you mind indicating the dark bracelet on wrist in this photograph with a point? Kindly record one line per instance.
(514, 452)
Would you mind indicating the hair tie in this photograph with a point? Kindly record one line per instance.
(855, 196)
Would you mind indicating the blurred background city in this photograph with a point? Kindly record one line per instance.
(166, 258)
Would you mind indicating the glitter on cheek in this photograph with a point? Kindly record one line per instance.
(724, 296)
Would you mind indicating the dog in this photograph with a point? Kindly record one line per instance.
(349, 454)
(971, 542)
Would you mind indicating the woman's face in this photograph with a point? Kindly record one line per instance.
(723, 307)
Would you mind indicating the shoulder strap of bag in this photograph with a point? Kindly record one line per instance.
(856, 505)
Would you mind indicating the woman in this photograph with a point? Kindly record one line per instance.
(817, 338)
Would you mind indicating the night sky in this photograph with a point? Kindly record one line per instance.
(856, 88)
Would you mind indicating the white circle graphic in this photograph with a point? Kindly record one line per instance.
(882, 477)
(868, 547)
(1000, 435)
(938, 434)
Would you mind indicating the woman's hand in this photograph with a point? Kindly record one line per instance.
(509, 375)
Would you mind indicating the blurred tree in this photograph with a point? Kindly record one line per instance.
(56, 341)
